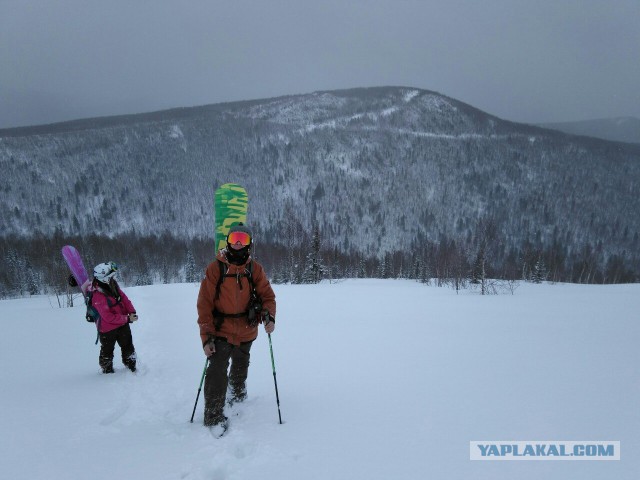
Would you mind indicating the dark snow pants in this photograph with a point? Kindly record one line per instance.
(217, 379)
(121, 335)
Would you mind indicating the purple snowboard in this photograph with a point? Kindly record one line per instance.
(74, 261)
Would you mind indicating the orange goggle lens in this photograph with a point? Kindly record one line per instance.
(239, 237)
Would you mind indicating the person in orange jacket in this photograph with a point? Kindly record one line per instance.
(235, 296)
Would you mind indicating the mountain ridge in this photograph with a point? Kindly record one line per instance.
(193, 111)
(617, 129)
(414, 165)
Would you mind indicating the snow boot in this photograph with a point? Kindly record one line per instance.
(238, 395)
(218, 424)
(130, 362)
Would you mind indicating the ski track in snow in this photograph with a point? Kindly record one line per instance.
(378, 379)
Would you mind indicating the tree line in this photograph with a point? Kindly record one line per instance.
(35, 265)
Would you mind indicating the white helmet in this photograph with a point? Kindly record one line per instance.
(104, 272)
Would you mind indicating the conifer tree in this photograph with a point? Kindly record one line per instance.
(190, 268)
(314, 270)
(539, 273)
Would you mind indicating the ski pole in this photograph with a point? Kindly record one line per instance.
(275, 382)
(204, 372)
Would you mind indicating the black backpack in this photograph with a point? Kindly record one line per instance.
(92, 314)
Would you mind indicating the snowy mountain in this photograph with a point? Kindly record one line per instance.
(622, 129)
(376, 169)
(552, 362)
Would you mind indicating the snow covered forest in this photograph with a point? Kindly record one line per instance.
(390, 182)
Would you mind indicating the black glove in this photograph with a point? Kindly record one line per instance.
(266, 316)
(268, 321)
(72, 281)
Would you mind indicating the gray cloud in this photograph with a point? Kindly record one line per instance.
(521, 60)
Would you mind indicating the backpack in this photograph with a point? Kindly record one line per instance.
(92, 314)
(255, 303)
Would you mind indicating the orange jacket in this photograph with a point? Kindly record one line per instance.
(234, 298)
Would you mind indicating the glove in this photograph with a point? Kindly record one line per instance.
(133, 317)
(209, 347)
(268, 321)
(72, 281)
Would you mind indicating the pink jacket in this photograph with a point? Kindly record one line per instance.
(113, 312)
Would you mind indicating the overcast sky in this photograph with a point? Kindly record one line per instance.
(522, 60)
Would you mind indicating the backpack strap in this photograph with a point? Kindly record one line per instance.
(249, 273)
(224, 269)
(223, 273)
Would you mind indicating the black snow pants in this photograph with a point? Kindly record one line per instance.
(121, 335)
(219, 377)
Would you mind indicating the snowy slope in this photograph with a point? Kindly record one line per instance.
(378, 379)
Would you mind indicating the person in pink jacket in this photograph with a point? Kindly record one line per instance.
(115, 312)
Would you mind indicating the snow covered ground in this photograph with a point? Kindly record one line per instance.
(378, 379)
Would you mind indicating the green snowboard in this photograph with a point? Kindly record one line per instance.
(231, 203)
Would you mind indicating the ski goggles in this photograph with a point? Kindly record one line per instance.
(243, 238)
(113, 270)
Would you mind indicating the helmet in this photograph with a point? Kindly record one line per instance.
(104, 272)
(240, 228)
